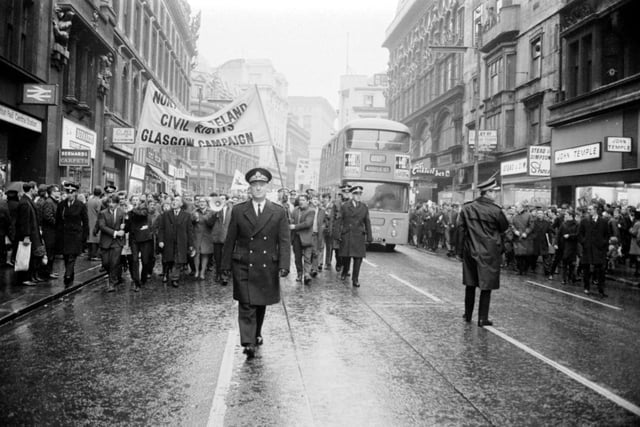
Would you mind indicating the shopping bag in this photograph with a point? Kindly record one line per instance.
(23, 256)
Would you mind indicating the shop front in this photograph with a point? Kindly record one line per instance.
(525, 178)
(19, 135)
(597, 159)
(136, 178)
(79, 137)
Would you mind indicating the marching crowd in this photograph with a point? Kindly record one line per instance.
(584, 242)
(184, 234)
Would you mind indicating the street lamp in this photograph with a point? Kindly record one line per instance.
(463, 49)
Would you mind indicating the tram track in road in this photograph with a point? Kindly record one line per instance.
(600, 389)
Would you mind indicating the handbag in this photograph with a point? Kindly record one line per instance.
(305, 238)
(23, 256)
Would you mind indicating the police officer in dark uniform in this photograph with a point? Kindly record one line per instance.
(480, 227)
(72, 224)
(355, 233)
(343, 196)
(258, 251)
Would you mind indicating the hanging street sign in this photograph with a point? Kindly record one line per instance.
(39, 94)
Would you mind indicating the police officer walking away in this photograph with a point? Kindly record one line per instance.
(72, 225)
(355, 233)
(258, 250)
(480, 226)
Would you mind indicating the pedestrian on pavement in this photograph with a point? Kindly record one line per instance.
(219, 235)
(355, 233)
(72, 225)
(28, 232)
(480, 226)
(568, 240)
(258, 250)
(94, 206)
(317, 235)
(175, 238)
(13, 199)
(5, 230)
(522, 224)
(203, 220)
(50, 236)
(139, 227)
(301, 235)
(111, 222)
(543, 243)
(593, 235)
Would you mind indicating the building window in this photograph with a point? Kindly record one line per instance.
(580, 66)
(536, 58)
(136, 29)
(125, 92)
(533, 119)
(368, 101)
(495, 77)
(447, 136)
(493, 123)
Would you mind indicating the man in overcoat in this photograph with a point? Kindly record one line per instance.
(72, 225)
(175, 238)
(94, 206)
(139, 227)
(355, 232)
(480, 225)
(302, 240)
(258, 250)
(593, 235)
(48, 212)
(111, 223)
(343, 197)
(219, 235)
(28, 231)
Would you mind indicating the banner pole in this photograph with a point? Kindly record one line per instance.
(275, 153)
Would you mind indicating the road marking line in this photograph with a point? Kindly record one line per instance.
(425, 293)
(370, 263)
(218, 405)
(574, 375)
(574, 295)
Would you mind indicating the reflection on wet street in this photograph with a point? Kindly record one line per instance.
(393, 352)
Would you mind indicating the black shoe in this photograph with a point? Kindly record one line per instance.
(485, 322)
(466, 318)
(307, 280)
(343, 277)
(68, 281)
(319, 268)
(338, 267)
(250, 351)
(136, 287)
(259, 340)
(314, 273)
(224, 283)
(174, 283)
(356, 284)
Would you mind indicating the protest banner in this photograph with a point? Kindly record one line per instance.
(240, 124)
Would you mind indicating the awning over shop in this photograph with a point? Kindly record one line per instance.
(158, 174)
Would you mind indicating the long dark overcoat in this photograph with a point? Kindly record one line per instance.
(542, 236)
(177, 234)
(72, 226)
(594, 238)
(48, 220)
(27, 224)
(480, 226)
(355, 230)
(94, 206)
(523, 223)
(255, 250)
(569, 244)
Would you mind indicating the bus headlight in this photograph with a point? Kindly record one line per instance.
(394, 222)
(394, 233)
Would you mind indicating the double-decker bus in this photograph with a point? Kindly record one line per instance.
(373, 153)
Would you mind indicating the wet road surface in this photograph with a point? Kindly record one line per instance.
(394, 352)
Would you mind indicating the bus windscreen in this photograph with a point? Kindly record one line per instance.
(384, 196)
(372, 139)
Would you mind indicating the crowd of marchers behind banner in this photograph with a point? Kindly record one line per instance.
(573, 243)
(125, 231)
(131, 233)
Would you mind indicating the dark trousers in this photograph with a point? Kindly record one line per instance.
(111, 263)
(250, 320)
(522, 262)
(357, 262)
(328, 250)
(69, 267)
(141, 252)
(598, 273)
(568, 270)
(3, 251)
(172, 270)
(469, 300)
(93, 250)
(217, 256)
(339, 260)
(301, 257)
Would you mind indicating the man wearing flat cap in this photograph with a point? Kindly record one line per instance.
(258, 250)
(355, 233)
(480, 227)
(72, 224)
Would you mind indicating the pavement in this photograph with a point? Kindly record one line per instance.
(17, 299)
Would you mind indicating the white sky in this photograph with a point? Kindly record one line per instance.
(305, 40)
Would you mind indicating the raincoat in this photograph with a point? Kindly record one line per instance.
(480, 226)
(594, 238)
(355, 230)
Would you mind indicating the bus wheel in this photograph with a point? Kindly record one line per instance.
(389, 248)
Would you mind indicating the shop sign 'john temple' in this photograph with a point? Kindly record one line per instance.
(240, 124)
(577, 154)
